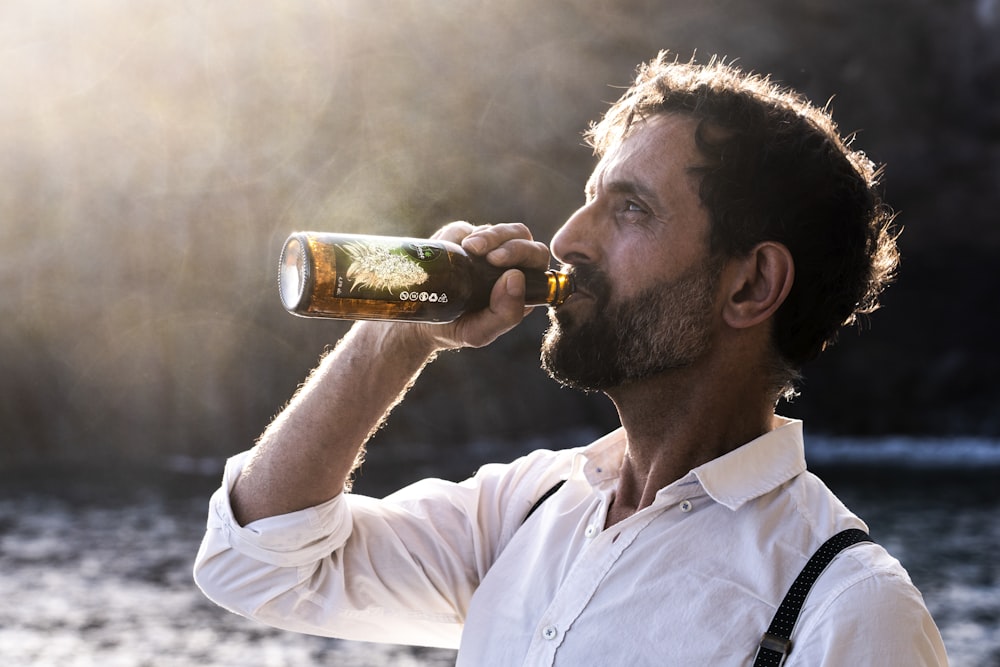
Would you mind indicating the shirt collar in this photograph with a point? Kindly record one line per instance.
(600, 460)
(747, 472)
(759, 466)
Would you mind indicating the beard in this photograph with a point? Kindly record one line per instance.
(666, 326)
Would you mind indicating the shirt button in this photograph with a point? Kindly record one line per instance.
(591, 531)
(550, 632)
(686, 506)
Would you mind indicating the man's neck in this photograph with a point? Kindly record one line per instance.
(674, 424)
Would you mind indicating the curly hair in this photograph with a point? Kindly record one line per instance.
(776, 169)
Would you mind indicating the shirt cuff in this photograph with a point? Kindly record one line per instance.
(286, 540)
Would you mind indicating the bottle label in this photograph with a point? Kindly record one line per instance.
(391, 271)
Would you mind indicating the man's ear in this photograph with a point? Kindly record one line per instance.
(757, 284)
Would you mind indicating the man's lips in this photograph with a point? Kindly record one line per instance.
(588, 283)
(579, 295)
(577, 299)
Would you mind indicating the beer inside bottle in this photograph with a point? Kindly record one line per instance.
(362, 277)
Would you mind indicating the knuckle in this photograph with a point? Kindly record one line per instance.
(519, 229)
(454, 230)
(520, 226)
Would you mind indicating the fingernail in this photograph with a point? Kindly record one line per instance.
(514, 286)
(474, 244)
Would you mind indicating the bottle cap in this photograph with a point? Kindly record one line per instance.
(293, 272)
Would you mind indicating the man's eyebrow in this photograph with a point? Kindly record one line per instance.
(631, 187)
(620, 186)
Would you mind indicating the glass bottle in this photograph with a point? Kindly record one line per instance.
(363, 277)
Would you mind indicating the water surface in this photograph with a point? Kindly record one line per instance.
(95, 569)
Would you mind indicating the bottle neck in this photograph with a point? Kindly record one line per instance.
(546, 287)
(540, 287)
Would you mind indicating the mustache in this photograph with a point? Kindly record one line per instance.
(590, 279)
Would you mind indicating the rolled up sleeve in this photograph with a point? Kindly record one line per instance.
(400, 570)
(249, 569)
(287, 540)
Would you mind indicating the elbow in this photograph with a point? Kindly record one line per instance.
(211, 576)
(226, 577)
(239, 582)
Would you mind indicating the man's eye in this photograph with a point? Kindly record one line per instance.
(633, 207)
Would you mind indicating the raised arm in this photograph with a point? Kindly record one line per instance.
(308, 452)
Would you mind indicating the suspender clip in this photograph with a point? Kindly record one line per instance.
(774, 644)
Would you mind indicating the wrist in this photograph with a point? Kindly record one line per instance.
(402, 341)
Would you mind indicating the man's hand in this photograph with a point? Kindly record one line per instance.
(503, 245)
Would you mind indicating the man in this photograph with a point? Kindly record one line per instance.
(727, 233)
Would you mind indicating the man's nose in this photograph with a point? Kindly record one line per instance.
(576, 241)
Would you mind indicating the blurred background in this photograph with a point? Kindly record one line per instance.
(155, 155)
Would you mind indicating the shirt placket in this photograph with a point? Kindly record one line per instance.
(605, 548)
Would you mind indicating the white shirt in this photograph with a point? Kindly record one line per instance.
(694, 579)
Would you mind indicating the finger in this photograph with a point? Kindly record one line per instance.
(454, 231)
(506, 310)
(522, 253)
(507, 244)
(488, 237)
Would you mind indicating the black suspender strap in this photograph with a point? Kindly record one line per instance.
(545, 496)
(776, 643)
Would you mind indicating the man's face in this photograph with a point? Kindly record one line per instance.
(645, 290)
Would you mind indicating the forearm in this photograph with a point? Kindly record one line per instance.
(307, 454)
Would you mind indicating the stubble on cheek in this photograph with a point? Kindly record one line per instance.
(666, 326)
